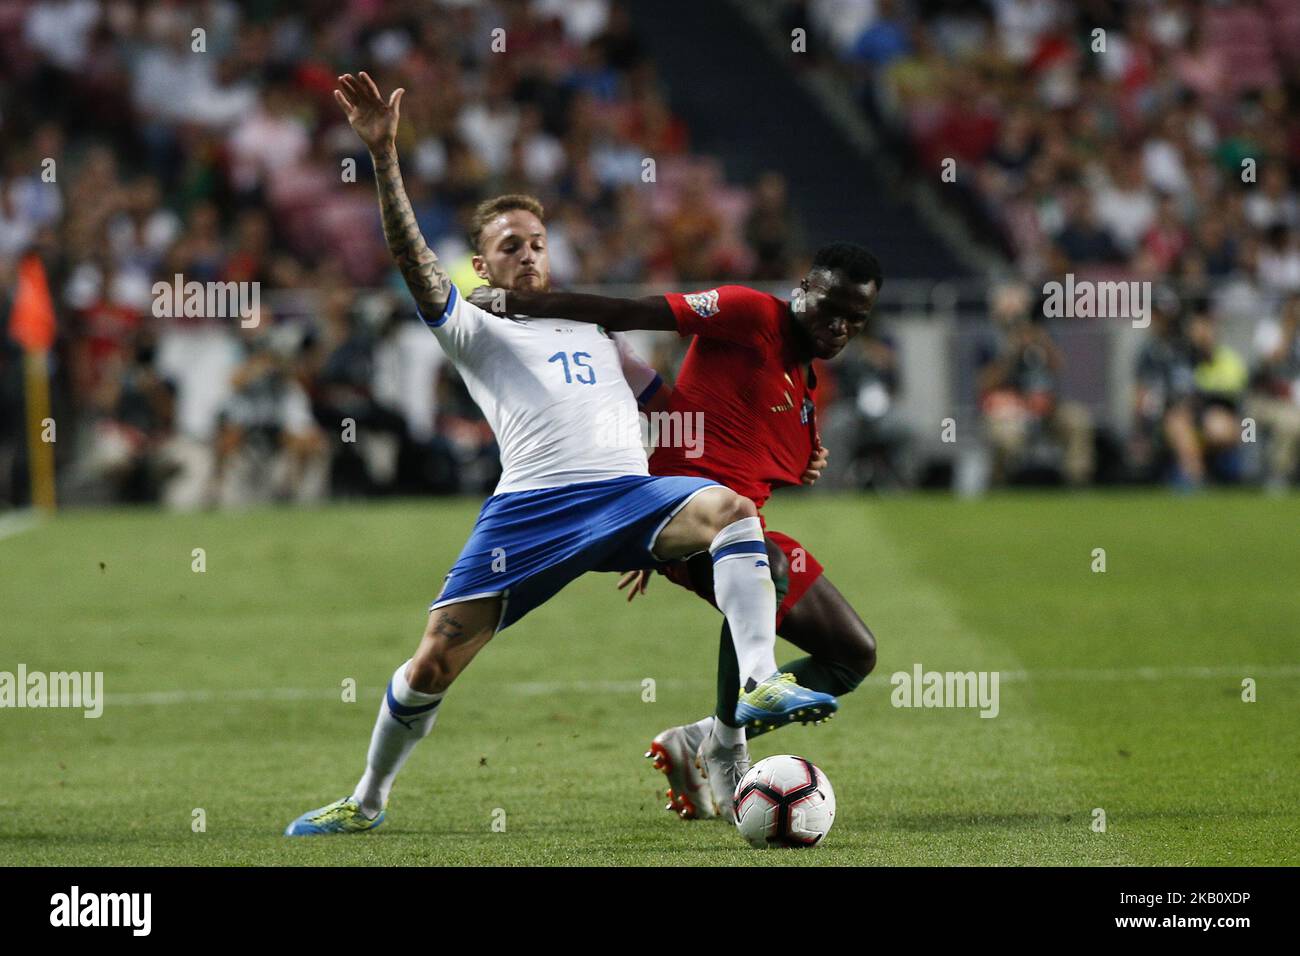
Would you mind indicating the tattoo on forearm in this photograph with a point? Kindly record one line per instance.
(425, 277)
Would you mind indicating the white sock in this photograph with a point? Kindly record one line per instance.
(405, 718)
(742, 586)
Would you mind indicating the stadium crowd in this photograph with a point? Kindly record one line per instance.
(1156, 141)
(220, 156)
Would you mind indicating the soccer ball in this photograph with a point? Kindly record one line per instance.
(784, 801)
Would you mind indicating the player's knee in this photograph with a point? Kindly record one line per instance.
(430, 672)
(868, 661)
(732, 508)
(859, 647)
(432, 669)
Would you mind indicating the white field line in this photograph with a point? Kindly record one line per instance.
(632, 687)
(1150, 674)
(16, 522)
(523, 688)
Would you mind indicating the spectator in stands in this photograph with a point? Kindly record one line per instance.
(371, 436)
(1219, 378)
(1124, 204)
(229, 166)
(885, 38)
(1274, 401)
(694, 230)
(873, 441)
(268, 446)
(134, 418)
(1278, 260)
(1019, 386)
(1163, 396)
(1185, 93)
(1083, 238)
(771, 230)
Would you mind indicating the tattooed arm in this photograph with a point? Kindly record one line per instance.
(424, 274)
(376, 123)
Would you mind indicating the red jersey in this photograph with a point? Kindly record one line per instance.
(756, 398)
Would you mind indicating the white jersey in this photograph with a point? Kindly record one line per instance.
(551, 389)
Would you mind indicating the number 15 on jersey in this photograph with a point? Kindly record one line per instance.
(584, 373)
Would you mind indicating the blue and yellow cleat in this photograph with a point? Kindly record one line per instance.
(778, 701)
(341, 816)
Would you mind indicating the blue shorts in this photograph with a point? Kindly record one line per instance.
(527, 545)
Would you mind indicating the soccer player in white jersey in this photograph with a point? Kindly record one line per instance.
(569, 500)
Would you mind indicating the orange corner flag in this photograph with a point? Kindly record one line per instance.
(32, 326)
(31, 323)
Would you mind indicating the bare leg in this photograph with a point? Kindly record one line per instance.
(453, 636)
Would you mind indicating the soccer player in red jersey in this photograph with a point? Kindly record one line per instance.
(749, 378)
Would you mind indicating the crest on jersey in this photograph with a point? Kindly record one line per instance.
(703, 304)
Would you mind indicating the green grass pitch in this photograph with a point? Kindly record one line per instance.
(1120, 691)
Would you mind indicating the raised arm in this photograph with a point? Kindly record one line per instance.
(617, 315)
(376, 123)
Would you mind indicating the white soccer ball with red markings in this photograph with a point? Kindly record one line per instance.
(784, 801)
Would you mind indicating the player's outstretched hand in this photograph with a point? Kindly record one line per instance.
(373, 120)
(816, 465)
(639, 580)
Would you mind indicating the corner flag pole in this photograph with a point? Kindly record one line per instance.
(40, 453)
(32, 326)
